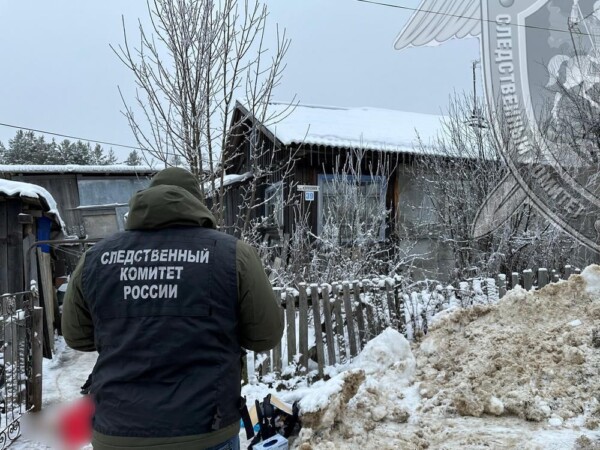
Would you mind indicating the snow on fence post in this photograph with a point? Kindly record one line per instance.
(360, 318)
(349, 318)
(514, 280)
(290, 316)
(542, 278)
(568, 271)
(389, 294)
(316, 307)
(555, 276)
(501, 280)
(339, 322)
(303, 325)
(369, 309)
(527, 279)
(577, 271)
(328, 325)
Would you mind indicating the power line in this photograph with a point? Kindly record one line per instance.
(69, 136)
(482, 19)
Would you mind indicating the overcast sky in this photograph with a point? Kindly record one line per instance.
(59, 73)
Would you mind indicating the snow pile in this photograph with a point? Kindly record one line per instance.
(534, 355)
(522, 373)
(17, 188)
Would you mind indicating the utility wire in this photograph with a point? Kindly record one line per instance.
(482, 19)
(70, 137)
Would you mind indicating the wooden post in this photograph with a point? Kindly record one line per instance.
(370, 315)
(577, 271)
(360, 318)
(339, 323)
(542, 278)
(514, 280)
(389, 294)
(303, 325)
(277, 349)
(328, 325)
(316, 307)
(501, 280)
(349, 318)
(554, 276)
(527, 279)
(47, 289)
(34, 397)
(568, 271)
(290, 317)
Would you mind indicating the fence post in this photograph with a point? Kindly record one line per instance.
(290, 317)
(527, 279)
(316, 307)
(277, 349)
(360, 318)
(514, 280)
(349, 318)
(34, 398)
(303, 325)
(389, 295)
(555, 276)
(339, 322)
(501, 280)
(577, 271)
(542, 278)
(369, 307)
(568, 271)
(328, 325)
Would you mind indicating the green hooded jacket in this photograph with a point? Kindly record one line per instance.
(173, 199)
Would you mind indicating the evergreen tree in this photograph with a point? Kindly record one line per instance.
(133, 159)
(27, 148)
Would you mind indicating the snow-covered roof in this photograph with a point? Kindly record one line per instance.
(75, 168)
(367, 128)
(20, 189)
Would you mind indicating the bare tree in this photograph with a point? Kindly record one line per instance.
(467, 166)
(189, 67)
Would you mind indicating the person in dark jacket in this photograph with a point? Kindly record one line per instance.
(169, 304)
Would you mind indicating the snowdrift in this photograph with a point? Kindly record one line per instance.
(523, 373)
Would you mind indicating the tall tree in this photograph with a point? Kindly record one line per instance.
(189, 67)
(133, 159)
(27, 148)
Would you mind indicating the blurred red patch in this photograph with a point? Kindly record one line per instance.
(75, 423)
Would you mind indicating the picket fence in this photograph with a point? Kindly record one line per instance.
(349, 314)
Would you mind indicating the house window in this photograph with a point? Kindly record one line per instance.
(351, 209)
(274, 204)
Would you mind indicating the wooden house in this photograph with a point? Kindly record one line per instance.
(321, 140)
(92, 200)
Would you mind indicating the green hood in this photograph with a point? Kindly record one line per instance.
(172, 199)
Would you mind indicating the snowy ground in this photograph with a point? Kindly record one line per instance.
(522, 374)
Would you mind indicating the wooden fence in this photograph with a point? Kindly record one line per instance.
(349, 314)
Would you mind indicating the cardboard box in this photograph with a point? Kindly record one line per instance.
(277, 442)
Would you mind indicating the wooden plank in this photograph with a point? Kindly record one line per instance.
(290, 318)
(15, 247)
(34, 391)
(47, 291)
(339, 323)
(316, 307)
(391, 304)
(360, 317)
(568, 271)
(303, 325)
(349, 318)
(370, 314)
(527, 279)
(501, 280)
(3, 249)
(327, 310)
(543, 278)
(514, 280)
(277, 349)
